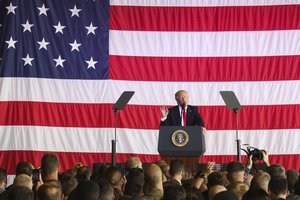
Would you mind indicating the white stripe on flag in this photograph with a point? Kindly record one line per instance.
(146, 93)
(204, 44)
(138, 141)
(202, 2)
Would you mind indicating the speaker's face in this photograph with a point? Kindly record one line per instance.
(183, 97)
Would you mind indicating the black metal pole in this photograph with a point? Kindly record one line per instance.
(238, 141)
(114, 142)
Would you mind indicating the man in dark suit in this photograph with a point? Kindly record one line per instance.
(182, 114)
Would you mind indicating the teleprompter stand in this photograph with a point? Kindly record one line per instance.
(119, 105)
(233, 103)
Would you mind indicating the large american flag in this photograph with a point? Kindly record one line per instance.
(64, 64)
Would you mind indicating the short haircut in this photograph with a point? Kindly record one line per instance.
(153, 175)
(68, 183)
(50, 163)
(225, 195)
(102, 170)
(216, 178)
(193, 193)
(256, 194)
(51, 190)
(132, 162)
(176, 166)
(276, 171)
(106, 190)
(3, 175)
(260, 180)
(87, 190)
(174, 192)
(135, 182)
(278, 186)
(235, 166)
(20, 192)
(114, 175)
(83, 174)
(24, 168)
(23, 180)
(238, 188)
(292, 177)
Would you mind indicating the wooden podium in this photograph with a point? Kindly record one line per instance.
(186, 143)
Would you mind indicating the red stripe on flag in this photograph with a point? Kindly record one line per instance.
(227, 18)
(69, 159)
(101, 115)
(192, 69)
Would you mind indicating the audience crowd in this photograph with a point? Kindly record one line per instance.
(168, 181)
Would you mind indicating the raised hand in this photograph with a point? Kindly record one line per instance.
(164, 111)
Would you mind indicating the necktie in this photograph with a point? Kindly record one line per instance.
(184, 117)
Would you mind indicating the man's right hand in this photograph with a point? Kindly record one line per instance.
(164, 111)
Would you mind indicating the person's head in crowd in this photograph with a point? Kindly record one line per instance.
(238, 188)
(20, 193)
(215, 190)
(153, 181)
(3, 180)
(135, 183)
(165, 168)
(116, 178)
(174, 192)
(260, 180)
(292, 177)
(106, 191)
(83, 174)
(23, 180)
(297, 187)
(51, 190)
(49, 167)
(276, 171)
(235, 171)
(71, 172)
(24, 168)
(256, 194)
(278, 188)
(68, 184)
(176, 170)
(193, 193)
(102, 170)
(86, 190)
(216, 178)
(187, 175)
(133, 162)
(225, 195)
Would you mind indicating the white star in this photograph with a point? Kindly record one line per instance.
(75, 45)
(75, 11)
(43, 10)
(11, 43)
(43, 44)
(59, 28)
(59, 61)
(91, 63)
(11, 8)
(28, 60)
(27, 26)
(91, 29)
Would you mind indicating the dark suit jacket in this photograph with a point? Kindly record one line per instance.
(193, 117)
